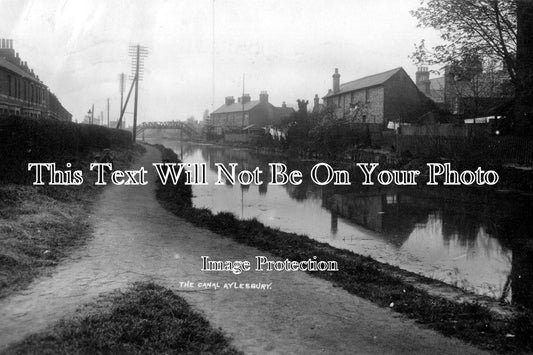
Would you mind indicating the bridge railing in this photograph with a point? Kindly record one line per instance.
(168, 125)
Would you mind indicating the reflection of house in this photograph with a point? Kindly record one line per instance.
(21, 91)
(472, 95)
(234, 116)
(378, 98)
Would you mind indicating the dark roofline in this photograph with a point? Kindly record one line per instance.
(332, 94)
(237, 107)
(6, 64)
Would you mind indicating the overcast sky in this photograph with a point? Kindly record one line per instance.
(286, 47)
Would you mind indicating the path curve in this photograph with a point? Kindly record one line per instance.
(136, 239)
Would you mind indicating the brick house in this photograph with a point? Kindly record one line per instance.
(473, 96)
(234, 116)
(378, 98)
(21, 91)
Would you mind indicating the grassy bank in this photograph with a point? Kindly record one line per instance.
(383, 284)
(39, 225)
(146, 319)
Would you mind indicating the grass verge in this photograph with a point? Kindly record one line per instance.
(361, 276)
(39, 225)
(146, 319)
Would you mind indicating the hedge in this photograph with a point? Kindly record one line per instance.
(24, 140)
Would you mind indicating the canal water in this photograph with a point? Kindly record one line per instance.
(469, 238)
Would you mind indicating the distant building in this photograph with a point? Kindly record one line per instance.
(317, 106)
(235, 116)
(378, 98)
(472, 95)
(21, 91)
(283, 112)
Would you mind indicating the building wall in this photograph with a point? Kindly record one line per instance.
(260, 115)
(369, 102)
(403, 101)
(21, 96)
(231, 119)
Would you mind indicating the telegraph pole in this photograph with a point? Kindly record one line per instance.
(136, 94)
(92, 115)
(138, 53)
(213, 51)
(242, 101)
(122, 79)
(108, 112)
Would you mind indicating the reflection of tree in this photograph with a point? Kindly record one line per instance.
(461, 227)
(298, 192)
(515, 234)
(334, 223)
(263, 188)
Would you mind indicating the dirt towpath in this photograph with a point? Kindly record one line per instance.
(136, 239)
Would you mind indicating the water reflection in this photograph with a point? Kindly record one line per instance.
(480, 242)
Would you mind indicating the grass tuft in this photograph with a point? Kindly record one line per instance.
(146, 319)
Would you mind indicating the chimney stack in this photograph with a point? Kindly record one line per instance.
(6, 50)
(230, 100)
(422, 80)
(246, 98)
(263, 97)
(336, 81)
(317, 101)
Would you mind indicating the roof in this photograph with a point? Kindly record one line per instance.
(365, 82)
(436, 89)
(283, 111)
(237, 107)
(17, 70)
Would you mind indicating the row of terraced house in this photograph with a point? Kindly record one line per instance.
(22, 93)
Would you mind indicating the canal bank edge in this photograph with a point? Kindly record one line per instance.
(447, 309)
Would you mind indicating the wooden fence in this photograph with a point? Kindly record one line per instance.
(494, 149)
